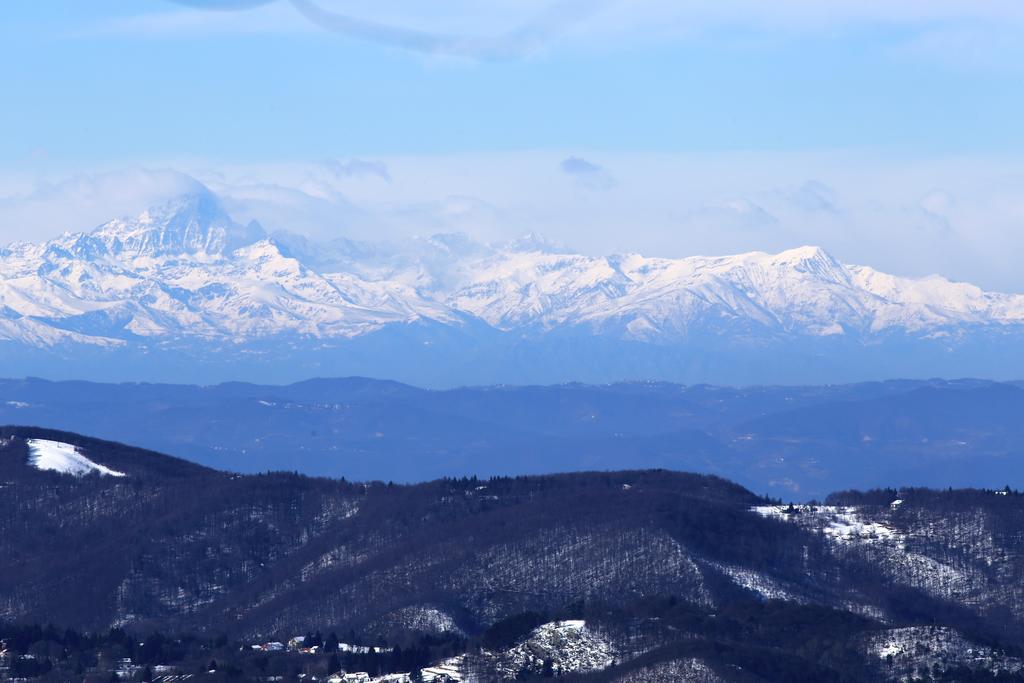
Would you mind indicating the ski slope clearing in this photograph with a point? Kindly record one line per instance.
(55, 456)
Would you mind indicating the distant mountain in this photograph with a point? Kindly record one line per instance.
(617, 576)
(791, 442)
(183, 292)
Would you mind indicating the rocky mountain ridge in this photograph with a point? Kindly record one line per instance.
(184, 278)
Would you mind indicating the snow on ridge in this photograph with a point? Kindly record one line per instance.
(905, 653)
(54, 456)
(842, 524)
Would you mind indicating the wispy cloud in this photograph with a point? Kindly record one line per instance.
(357, 167)
(543, 22)
(520, 40)
(740, 215)
(85, 200)
(957, 33)
(813, 195)
(264, 18)
(587, 174)
(959, 217)
(967, 46)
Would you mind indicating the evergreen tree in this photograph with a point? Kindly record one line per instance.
(549, 669)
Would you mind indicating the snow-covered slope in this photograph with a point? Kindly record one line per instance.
(185, 271)
(803, 290)
(64, 458)
(565, 646)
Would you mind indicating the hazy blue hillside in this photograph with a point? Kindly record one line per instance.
(792, 442)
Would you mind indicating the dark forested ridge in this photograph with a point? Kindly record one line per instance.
(799, 442)
(630, 575)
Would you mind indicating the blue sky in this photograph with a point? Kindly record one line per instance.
(104, 80)
(700, 126)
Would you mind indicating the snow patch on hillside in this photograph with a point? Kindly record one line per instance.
(55, 456)
(447, 671)
(757, 582)
(909, 653)
(841, 524)
(691, 670)
(569, 645)
(902, 552)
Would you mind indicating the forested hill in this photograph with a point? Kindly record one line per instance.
(95, 534)
(162, 541)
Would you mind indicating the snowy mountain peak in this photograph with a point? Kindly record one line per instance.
(812, 260)
(809, 260)
(193, 223)
(804, 254)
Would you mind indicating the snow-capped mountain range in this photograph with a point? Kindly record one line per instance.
(184, 275)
